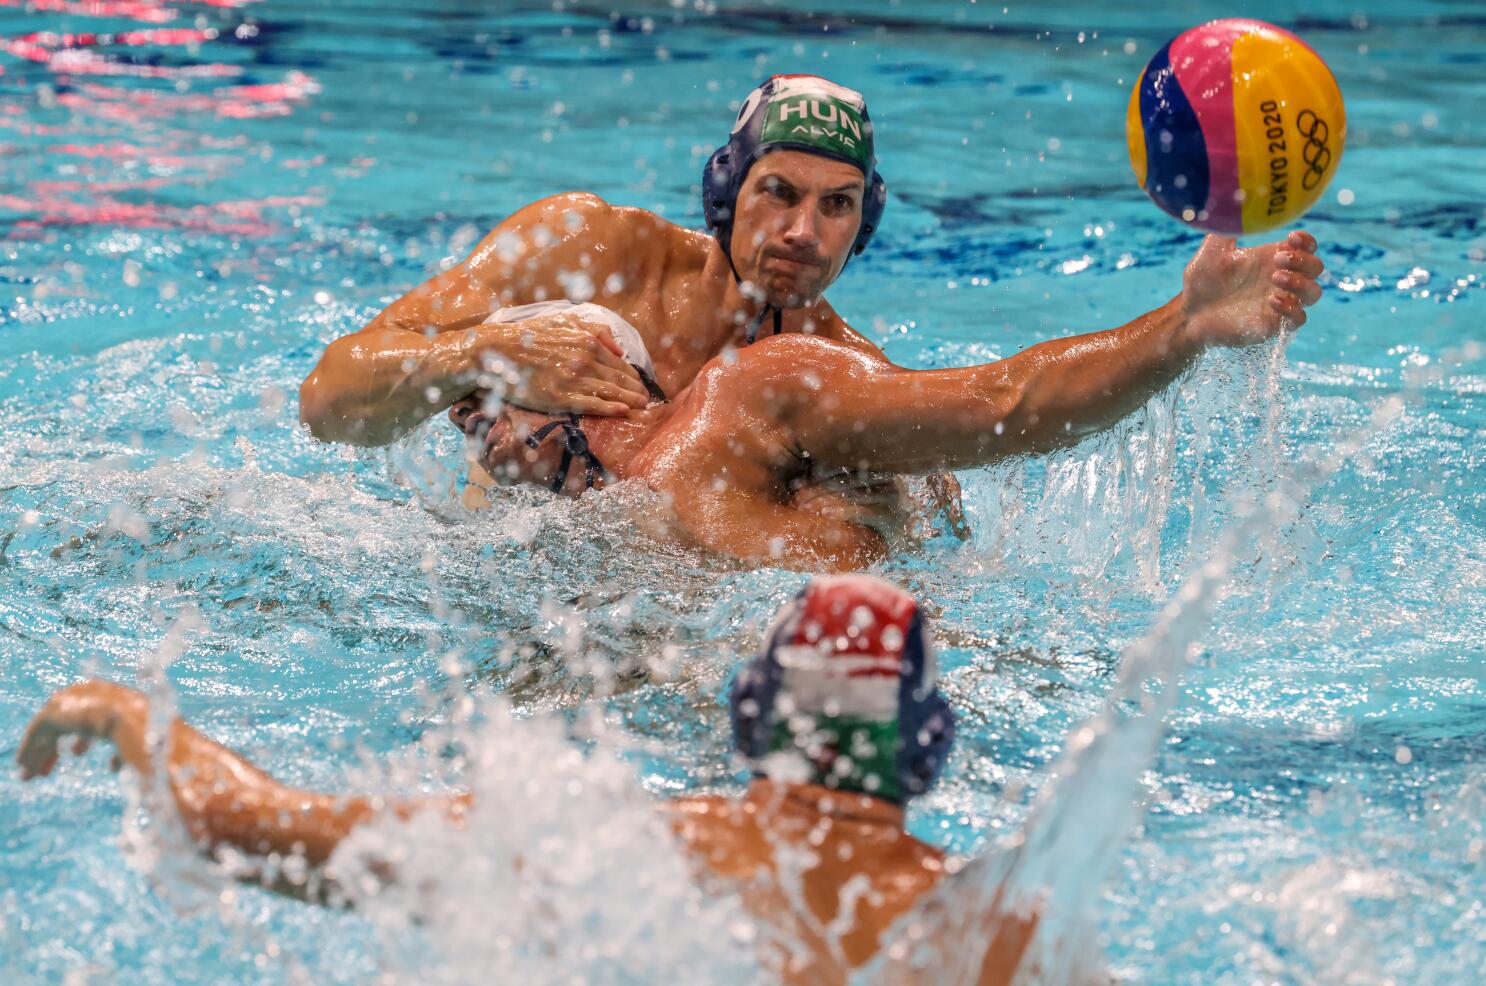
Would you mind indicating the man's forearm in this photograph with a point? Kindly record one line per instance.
(376, 385)
(1069, 388)
(223, 799)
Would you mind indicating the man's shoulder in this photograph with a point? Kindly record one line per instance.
(596, 219)
(792, 350)
(719, 832)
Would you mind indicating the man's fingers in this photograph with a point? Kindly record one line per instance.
(1305, 290)
(628, 383)
(1302, 240)
(604, 390)
(1300, 262)
(38, 752)
(38, 768)
(598, 406)
(1288, 307)
(607, 352)
(606, 337)
(600, 355)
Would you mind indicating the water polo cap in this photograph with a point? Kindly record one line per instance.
(801, 113)
(469, 416)
(846, 681)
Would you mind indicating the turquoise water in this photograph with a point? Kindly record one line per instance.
(190, 215)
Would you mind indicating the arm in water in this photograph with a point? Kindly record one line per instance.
(223, 799)
(429, 348)
(844, 409)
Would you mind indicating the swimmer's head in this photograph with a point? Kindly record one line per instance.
(554, 451)
(518, 446)
(795, 192)
(843, 694)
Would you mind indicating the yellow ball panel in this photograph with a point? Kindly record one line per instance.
(1135, 134)
(1290, 127)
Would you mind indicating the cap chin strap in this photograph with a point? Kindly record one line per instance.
(575, 443)
(757, 322)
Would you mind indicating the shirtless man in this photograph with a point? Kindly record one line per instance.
(779, 242)
(723, 453)
(791, 197)
(841, 723)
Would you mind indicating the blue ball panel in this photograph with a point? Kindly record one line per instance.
(1175, 151)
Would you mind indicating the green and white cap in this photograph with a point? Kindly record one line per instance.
(809, 113)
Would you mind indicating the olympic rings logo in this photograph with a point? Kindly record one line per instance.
(1315, 153)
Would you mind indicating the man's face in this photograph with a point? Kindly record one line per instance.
(796, 219)
(510, 460)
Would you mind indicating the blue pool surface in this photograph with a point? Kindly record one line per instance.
(198, 196)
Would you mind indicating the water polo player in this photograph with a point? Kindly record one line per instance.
(839, 721)
(724, 452)
(789, 199)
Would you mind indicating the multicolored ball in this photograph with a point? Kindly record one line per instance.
(1236, 126)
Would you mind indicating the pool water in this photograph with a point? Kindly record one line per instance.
(198, 196)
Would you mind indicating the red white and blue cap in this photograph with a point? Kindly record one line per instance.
(849, 649)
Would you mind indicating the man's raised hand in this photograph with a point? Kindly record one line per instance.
(1239, 297)
(86, 711)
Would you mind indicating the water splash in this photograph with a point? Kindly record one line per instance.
(1106, 510)
(1079, 821)
(565, 869)
(155, 840)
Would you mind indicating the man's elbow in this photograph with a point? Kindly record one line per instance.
(327, 419)
(314, 409)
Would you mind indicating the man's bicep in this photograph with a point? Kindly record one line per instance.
(525, 258)
(517, 262)
(872, 415)
(453, 299)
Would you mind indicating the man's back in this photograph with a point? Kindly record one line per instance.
(825, 873)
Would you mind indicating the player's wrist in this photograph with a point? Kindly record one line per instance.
(460, 362)
(1182, 337)
(107, 711)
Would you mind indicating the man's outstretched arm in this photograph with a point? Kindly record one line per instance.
(429, 348)
(848, 410)
(223, 799)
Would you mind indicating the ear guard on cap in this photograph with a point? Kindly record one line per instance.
(926, 723)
